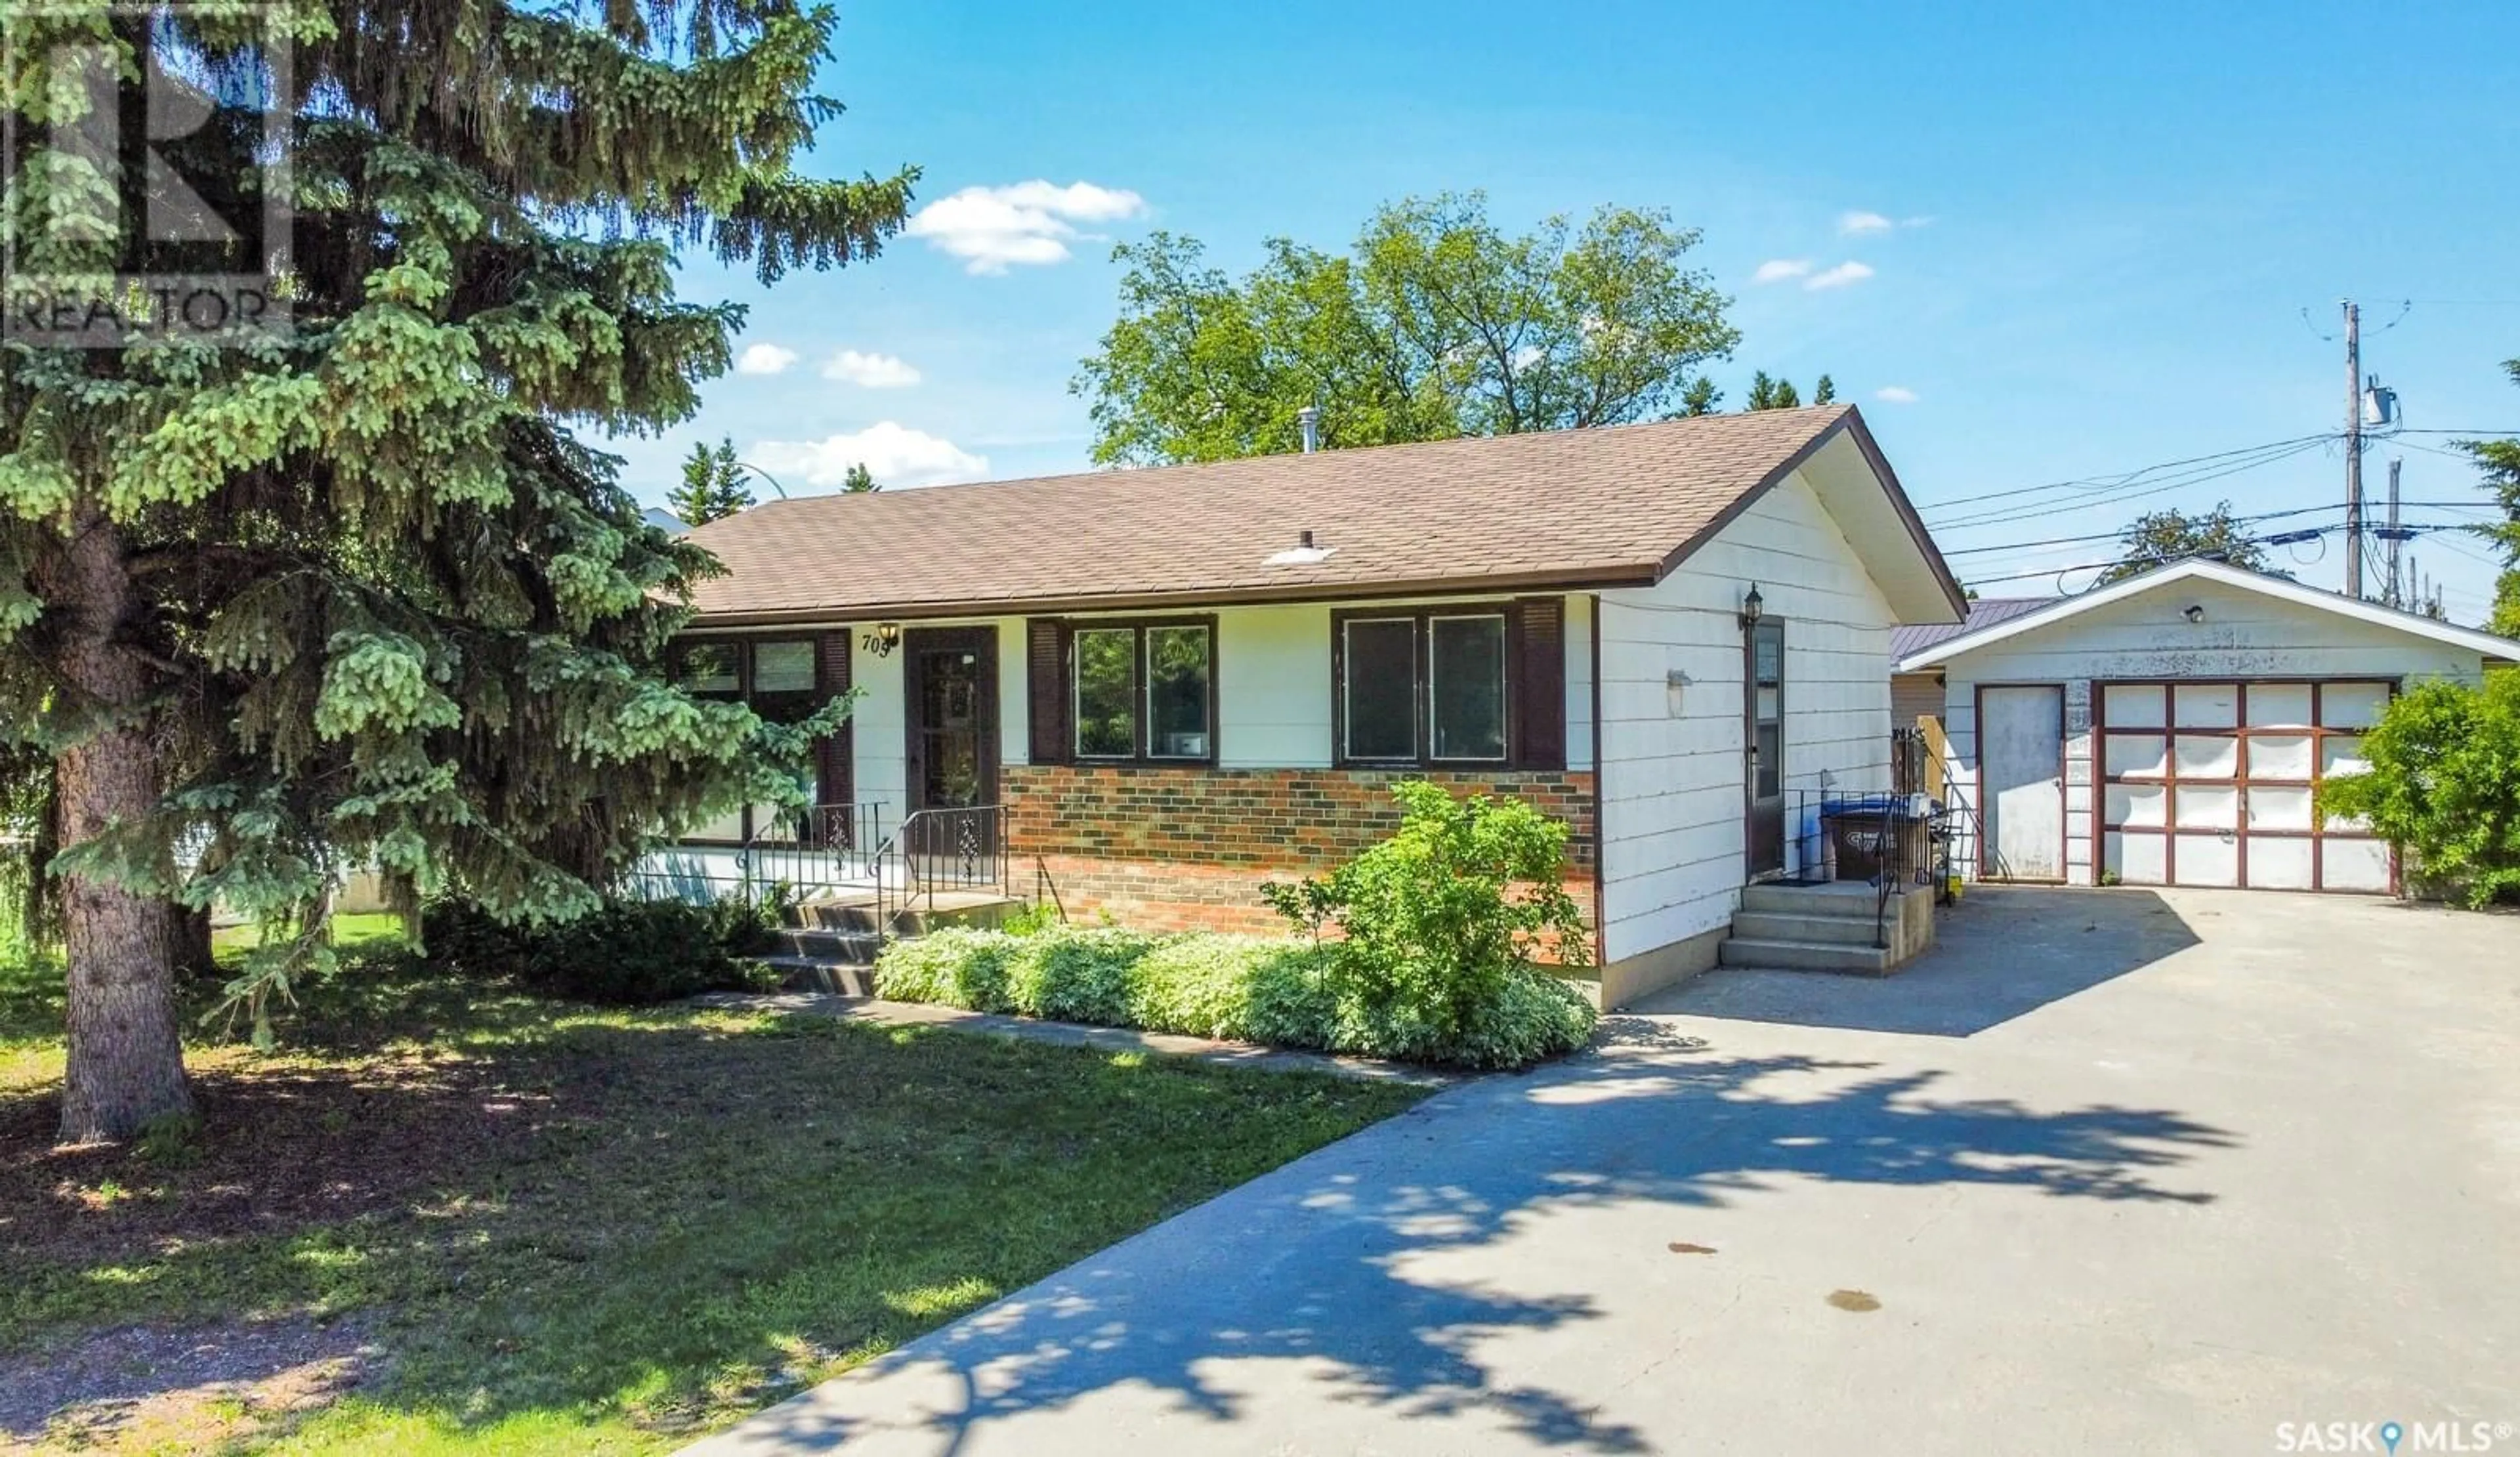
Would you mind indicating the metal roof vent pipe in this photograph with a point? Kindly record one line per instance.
(1309, 419)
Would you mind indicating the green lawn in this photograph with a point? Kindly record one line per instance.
(348, 930)
(579, 1230)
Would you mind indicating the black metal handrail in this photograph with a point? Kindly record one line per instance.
(935, 852)
(820, 850)
(1046, 888)
(1883, 832)
(813, 849)
(1806, 862)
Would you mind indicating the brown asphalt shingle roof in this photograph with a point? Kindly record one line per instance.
(1569, 507)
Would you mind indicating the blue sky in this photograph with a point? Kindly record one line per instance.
(2095, 230)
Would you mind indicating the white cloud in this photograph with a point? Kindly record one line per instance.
(1778, 270)
(764, 360)
(991, 228)
(894, 454)
(1896, 394)
(1860, 223)
(871, 371)
(1847, 272)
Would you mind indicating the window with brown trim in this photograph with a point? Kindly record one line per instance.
(1450, 686)
(785, 680)
(1137, 691)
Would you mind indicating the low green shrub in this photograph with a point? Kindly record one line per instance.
(1439, 930)
(2444, 787)
(956, 967)
(626, 953)
(1440, 927)
(1279, 992)
(1081, 976)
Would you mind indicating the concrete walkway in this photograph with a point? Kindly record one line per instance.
(2108, 1173)
(1076, 1034)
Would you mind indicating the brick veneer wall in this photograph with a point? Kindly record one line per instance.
(1186, 848)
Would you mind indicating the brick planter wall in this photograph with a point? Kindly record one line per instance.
(1176, 849)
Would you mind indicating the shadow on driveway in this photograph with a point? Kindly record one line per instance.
(1375, 1273)
(2002, 951)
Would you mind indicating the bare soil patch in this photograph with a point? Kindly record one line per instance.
(145, 1387)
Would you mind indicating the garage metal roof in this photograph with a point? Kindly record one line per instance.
(2414, 624)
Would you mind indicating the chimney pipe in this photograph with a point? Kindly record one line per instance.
(1310, 419)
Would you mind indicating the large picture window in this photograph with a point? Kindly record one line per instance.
(1144, 692)
(1435, 686)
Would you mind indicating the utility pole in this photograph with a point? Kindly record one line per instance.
(2353, 449)
(2396, 538)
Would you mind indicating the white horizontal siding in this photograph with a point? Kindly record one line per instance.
(1673, 847)
(1273, 685)
(1273, 688)
(2243, 635)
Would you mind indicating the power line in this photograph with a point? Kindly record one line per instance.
(2107, 481)
(2238, 521)
(2278, 538)
(2456, 455)
(2113, 494)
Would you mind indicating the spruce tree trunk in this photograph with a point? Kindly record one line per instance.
(126, 1062)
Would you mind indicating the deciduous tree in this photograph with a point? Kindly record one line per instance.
(2160, 537)
(1436, 323)
(273, 605)
(2501, 462)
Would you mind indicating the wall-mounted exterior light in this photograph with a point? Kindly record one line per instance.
(1675, 698)
(885, 637)
(1753, 607)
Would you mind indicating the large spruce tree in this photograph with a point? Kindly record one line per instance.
(274, 604)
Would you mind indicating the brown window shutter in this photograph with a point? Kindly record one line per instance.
(1538, 644)
(836, 753)
(1046, 651)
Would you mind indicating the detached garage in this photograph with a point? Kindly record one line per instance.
(2173, 728)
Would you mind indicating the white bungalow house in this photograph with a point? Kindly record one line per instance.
(2173, 728)
(1148, 691)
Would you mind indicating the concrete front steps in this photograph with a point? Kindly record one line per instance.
(1828, 928)
(830, 943)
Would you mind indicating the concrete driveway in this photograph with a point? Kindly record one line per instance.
(2113, 1171)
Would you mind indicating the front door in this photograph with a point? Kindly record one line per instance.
(1764, 734)
(950, 681)
(2021, 751)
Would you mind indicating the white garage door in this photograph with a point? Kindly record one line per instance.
(2210, 784)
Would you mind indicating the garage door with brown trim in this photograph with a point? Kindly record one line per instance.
(2210, 783)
